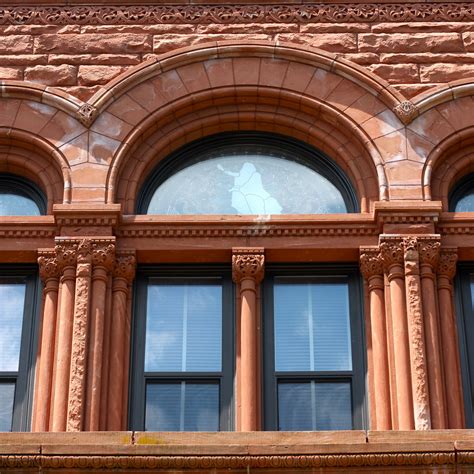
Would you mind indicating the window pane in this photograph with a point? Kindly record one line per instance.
(247, 183)
(7, 394)
(17, 205)
(12, 301)
(184, 328)
(182, 406)
(311, 406)
(312, 328)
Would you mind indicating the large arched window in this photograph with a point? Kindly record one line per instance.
(20, 197)
(247, 173)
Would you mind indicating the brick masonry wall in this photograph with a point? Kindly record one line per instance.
(413, 56)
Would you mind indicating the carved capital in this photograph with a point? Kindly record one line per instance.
(447, 263)
(248, 263)
(429, 252)
(392, 252)
(124, 267)
(103, 255)
(86, 114)
(48, 266)
(66, 254)
(371, 262)
(406, 111)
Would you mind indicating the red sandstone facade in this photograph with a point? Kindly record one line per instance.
(93, 97)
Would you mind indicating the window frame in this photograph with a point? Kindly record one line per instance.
(25, 376)
(12, 183)
(139, 378)
(206, 148)
(321, 273)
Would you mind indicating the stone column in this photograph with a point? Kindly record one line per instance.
(454, 399)
(49, 273)
(392, 252)
(247, 272)
(429, 257)
(66, 255)
(103, 259)
(123, 275)
(371, 265)
(77, 379)
(419, 379)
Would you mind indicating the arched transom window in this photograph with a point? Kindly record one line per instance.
(20, 197)
(247, 173)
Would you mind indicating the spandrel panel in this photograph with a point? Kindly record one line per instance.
(183, 328)
(247, 184)
(312, 327)
(12, 302)
(313, 406)
(182, 406)
(17, 205)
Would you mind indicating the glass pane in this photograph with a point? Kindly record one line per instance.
(12, 302)
(184, 328)
(466, 203)
(182, 406)
(247, 184)
(311, 406)
(17, 205)
(312, 327)
(7, 394)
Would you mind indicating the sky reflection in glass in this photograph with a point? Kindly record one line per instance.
(312, 329)
(7, 395)
(12, 301)
(17, 205)
(466, 203)
(247, 184)
(183, 328)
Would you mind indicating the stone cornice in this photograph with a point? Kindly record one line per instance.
(56, 13)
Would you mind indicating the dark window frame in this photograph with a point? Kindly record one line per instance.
(321, 273)
(138, 377)
(206, 148)
(465, 325)
(14, 184)
(25, 377)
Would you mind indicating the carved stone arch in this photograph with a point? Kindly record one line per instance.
(216, 87)
(30, 156)
(308, 121)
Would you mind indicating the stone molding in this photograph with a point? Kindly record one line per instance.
(248, 263)
(228, 14)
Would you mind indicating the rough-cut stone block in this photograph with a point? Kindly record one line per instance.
(64, 75)
(411, 90)
(93, 43)
(415, 42)
(342, 42)
(334, 27)
(23, 59)
(93, 75)
(269, 28)
(82, 92)
(11, 72)
(426, 58)
(95, 59)
(363, 58)
(468, 40)
(446, 72)
(16, 44)
(396, 73)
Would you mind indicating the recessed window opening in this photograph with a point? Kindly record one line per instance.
(20, 197)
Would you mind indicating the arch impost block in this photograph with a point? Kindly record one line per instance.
(248, 264)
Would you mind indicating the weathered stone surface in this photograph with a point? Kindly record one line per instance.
(397, 73)
(446, 72)
(93, 75)
(16, 44)
(93, 43)
(341, 42)
(64, 75)
(11, 73)
(415, 43)
(95, 59)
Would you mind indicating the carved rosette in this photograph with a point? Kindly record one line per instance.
(87, 114)
(392, 252)
(406, 111)
(125, 266)
(429, 252)
(248, 264)
(447, 263)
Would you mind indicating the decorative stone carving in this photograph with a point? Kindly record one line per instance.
(228, 14)
(406, 111)
(103, 255)
(447, 263)
(392, 252)
(429, 252)
(66, 253)
(87, 114)
(421, 402)
(248, 263)
(125, 266)
(371, 262)
(48, 266)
